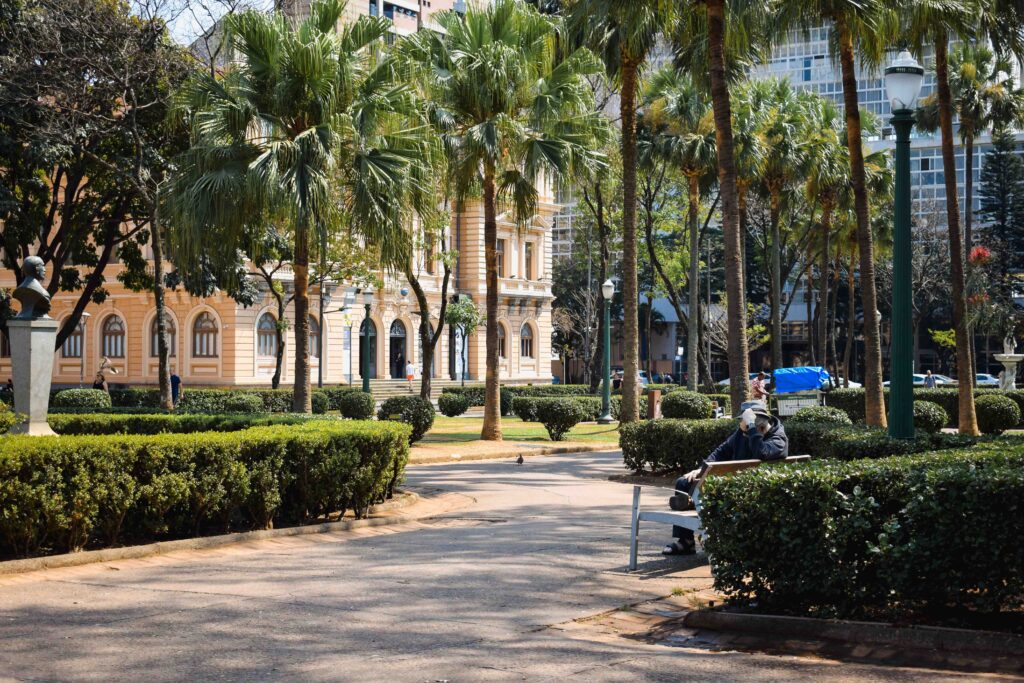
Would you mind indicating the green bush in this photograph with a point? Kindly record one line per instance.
(320, 403)
(356, 405)
(82, 398)
(242, 403)
(723, 401)
(835, 442)
(80, 424)
(852, 401)
(996, 413)
(929, 417)
(211, 400)
(8, 418)
(671, 445)
(412, 410)
(527, 408)
(819, 414)
(883, 538)
(617, 407)
(559, 415)
(135, 397)
(475, 393)
(70, 492)
(687, 405)
(452, 405)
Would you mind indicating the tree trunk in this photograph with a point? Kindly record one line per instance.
(605, 256)
(275, 381)
(969, 241)
(629, 411)
(826, 230)
(301, 398)
(812, 358)
(163, 349)
(428, 337)
(776, 278)
(831, 331)
(693, 314)
(739, 386)
(968, 419)
(492, 392)
(874, 399)
(851, 316)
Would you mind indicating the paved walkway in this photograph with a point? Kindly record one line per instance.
(477, 594)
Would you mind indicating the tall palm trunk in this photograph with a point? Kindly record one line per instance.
(826, 230)
(968, 419)
(163, 350)
(776, 274)
(850, 323)
(969, 239)
(629, 411)
(492, 392)
(831, 332)
(301, 398)
(739, 386)
(693, 314)
(874, 399)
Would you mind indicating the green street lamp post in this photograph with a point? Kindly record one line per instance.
(364, 343)
(903, 85)
(608, 290)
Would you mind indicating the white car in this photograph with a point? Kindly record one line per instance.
(987, 380)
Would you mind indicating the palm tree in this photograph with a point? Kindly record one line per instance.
(308, 128)
(513, 109)
(676, 101)
(623, 33)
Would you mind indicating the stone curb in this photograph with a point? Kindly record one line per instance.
(554, 450)
(136, 551)
(860, 632)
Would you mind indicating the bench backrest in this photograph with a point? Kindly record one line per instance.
(733, 466)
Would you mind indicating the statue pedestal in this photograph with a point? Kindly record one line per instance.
(1010, 362)
(32, 351)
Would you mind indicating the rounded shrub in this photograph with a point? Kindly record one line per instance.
(686, 405)
(321, 403)
(820, 415)
(94, 399)
(452, 405)
(355, 405)
(996, 413)
(243, 403)
(559, 415)
(412, 410)
(929, 417)
(7, 418)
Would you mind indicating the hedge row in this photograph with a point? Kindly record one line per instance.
(526, 408)
(852, 400)
(681, 445)
(212, 400)
(70, 492)
(81, 424)
(885, 538)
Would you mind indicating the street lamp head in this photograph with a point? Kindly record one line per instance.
(368, 296)
(608, 289)
(903, 80)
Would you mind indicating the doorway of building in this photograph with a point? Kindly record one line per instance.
(368, 336)
(397, 346)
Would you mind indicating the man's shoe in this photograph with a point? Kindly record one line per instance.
(680, 502)
(677, 548)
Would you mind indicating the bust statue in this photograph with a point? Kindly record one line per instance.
(33, 297)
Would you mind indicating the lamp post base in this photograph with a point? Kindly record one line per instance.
(605, 420)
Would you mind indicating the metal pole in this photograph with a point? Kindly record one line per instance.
(350, 354)
(606, 393)
(364, 350)
(81, 357)
(320, 342)
(901, 390)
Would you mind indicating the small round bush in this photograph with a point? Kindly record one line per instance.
(929, 417)
(95, 399)
(820, 415)
(356, 405)
(243, 403)
(453, 405)
(686, 405)
(321, 403)
(7, 418)
(996, 413)
(559, 415)
(413, 410)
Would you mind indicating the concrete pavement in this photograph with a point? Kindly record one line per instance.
(475, 595)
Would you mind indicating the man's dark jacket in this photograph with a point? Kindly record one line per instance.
(753, 445)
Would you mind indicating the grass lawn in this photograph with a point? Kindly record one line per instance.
(456, 430)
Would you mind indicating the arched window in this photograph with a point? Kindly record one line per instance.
(266, 336)
(526, 342)
(154, 338)
(502, 345)
(5, 346)
(314, 338)
(204, 336)
(113, 337)
(72, 347)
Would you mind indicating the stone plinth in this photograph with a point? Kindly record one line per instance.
(32, 344)
(1010, 362)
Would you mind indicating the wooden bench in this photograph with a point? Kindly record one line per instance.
(690, 519)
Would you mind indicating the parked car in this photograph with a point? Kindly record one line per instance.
(918, 381)
(987, 380)
(944, 381)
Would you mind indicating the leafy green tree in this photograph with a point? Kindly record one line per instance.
(514, 109)
(1002, 209)
(464, 315)
(308, 125)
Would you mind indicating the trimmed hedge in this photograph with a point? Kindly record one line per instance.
(475, 393)
(687, 405)
(355, 405)
(453, 405)
(821, 415)
(996, 414)
(70, 492)
(319, 403)
(242, 403)
(852, 400)
(559, 415)
(929, 417)
(80, 424)
(883, 538)
(92, 399)
(8, 418)
(527, 408)
(210, 400)
(415, 411)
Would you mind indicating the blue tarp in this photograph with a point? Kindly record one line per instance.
(788, 380)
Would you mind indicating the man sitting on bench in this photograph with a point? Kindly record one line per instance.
(759, 437)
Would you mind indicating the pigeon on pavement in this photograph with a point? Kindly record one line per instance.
(519, 459)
